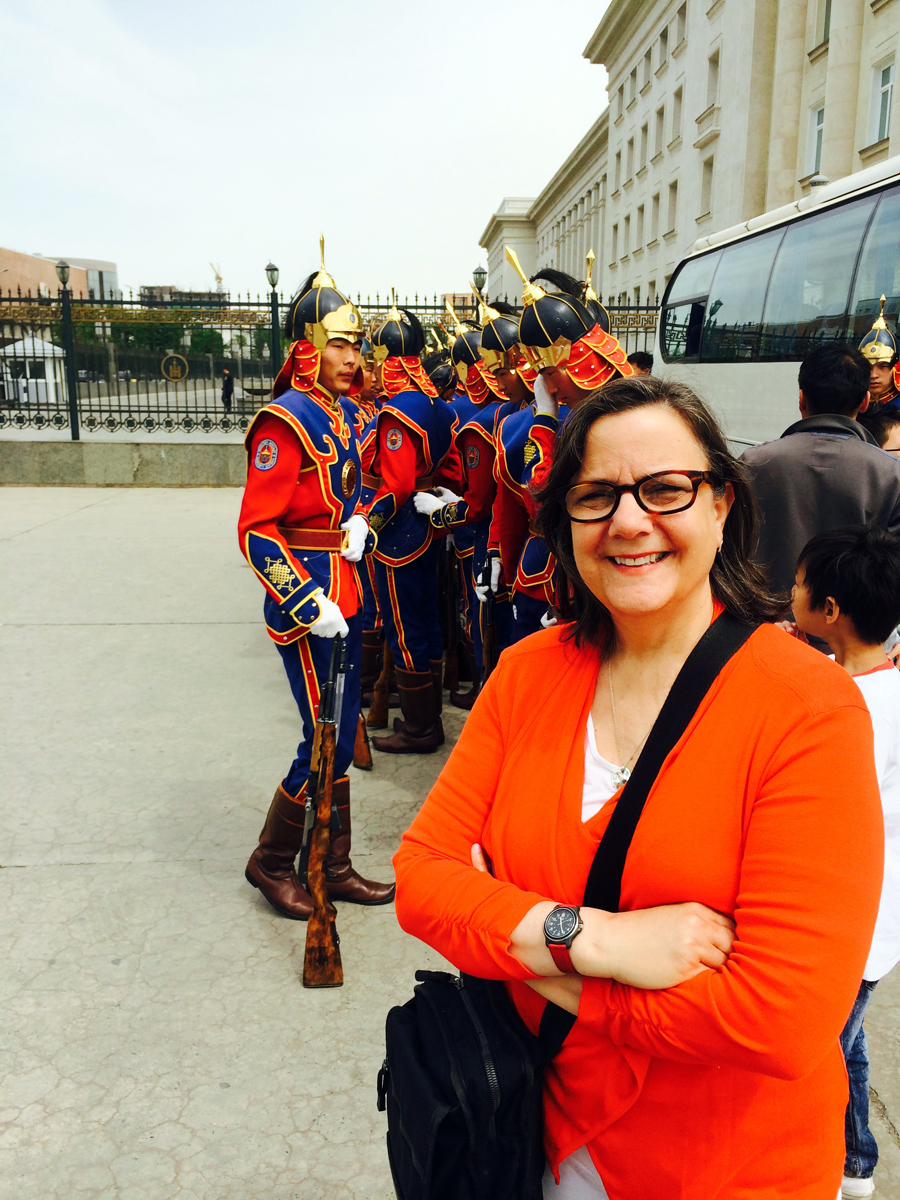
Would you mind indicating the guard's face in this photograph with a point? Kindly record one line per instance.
(370, 384)
(563, 386)
(510, 384)
(879, 380)
(340, 361)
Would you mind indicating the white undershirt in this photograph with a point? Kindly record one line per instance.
(578, 1178)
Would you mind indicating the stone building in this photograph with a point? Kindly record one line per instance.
(718, 110)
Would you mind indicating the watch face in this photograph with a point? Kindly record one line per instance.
(560, 924)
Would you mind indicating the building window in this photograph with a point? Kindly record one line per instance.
(651, 292)
(618, 174)
(654, 218)
(660, 131)
(645, 138)
(620, 101)
(626, 236)
(615, 245)
(663, 46)
(883, 95)
(629, 159)
(639, 231)
(676, 114)
(648, 66)
(816, 132)
(637, 294)
(681, 25)
(632, 85)
(712, 80)
(673, 206)
(823, 21)
(706, 187)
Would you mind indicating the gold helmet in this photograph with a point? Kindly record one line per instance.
(319, 312)
(879, 345)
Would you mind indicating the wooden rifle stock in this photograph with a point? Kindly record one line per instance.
(322, 965)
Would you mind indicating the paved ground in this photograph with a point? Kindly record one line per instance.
(156, 1040)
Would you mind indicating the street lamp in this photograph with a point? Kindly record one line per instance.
(272, 276)
(479, 277)
(62, 272)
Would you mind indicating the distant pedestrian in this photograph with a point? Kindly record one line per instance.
(227, 389)
(825, 470)
(642, 362)
(848, 594)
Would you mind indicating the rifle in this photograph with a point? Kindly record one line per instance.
(489, 651)
(322, 959)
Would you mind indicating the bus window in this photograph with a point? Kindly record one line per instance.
(682, 323)
(734, 308)
(810, 284)
(879, 269)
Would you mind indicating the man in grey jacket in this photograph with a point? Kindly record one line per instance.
(824, 471)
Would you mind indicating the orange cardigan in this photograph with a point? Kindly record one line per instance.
(731, 1085)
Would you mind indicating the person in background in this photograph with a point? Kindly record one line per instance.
(848, 594)
(642, 362)
(227, 389)
(879, 348)
(884, 426)
(826, 469)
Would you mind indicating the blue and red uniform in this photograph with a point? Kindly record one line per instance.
(303, 482)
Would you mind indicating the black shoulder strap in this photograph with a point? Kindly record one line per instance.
(724, 638)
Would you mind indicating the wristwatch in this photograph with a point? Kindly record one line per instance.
(561, 927)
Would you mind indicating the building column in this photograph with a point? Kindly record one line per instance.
(842, 88)
(787, 121)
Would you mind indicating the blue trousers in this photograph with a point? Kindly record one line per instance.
(409, 609)
(860, 1146)
(528, 614)
(306, 662)
(371, 612)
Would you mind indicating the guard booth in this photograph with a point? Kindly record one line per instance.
(32, 371)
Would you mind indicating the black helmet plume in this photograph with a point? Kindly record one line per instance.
(564, 282)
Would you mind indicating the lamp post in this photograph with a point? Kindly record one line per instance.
(272, 276)
(479, 277)
(62, 271)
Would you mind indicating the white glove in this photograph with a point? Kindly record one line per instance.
(330, 621)
(545, 403)
(448, 497)
(358, 529)
(547, 620)
(496, 569)
(426, 504)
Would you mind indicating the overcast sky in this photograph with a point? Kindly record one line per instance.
(167, 134)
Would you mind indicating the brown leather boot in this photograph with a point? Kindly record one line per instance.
(437, 678)
(342, 881)
(465, 700)
(420, 731)
(370, 668)
(271, 865)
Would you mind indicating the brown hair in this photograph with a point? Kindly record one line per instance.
(737, 581)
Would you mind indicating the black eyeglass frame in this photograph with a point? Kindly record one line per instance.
(696, 478)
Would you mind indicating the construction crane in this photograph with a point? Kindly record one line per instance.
(215, 271)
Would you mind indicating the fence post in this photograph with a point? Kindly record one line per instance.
(69, 349)
(276, 336)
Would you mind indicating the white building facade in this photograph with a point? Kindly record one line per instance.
(718, 111)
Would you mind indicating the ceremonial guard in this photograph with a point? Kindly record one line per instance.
(302, 532)
(414, 452)
(469, 517)
(879, 347)
(565, 337)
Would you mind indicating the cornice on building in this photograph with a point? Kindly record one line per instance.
(620, 22)
(507, 216)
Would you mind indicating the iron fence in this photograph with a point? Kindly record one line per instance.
(160, 367)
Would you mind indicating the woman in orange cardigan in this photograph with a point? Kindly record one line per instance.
(704, 1061)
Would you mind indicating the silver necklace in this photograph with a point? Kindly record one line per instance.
(623, 773)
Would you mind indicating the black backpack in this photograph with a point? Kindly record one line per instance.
(462, 1080)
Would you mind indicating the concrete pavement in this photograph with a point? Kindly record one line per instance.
(156, 1040)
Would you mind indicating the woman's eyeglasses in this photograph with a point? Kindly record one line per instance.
(662, 493)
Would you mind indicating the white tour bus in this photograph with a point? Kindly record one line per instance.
(744, 308)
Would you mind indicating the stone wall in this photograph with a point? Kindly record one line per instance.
(123, 464)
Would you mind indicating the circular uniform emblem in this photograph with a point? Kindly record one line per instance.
(266, 455)
(394, 439)
(348, 478)
(473, 456)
